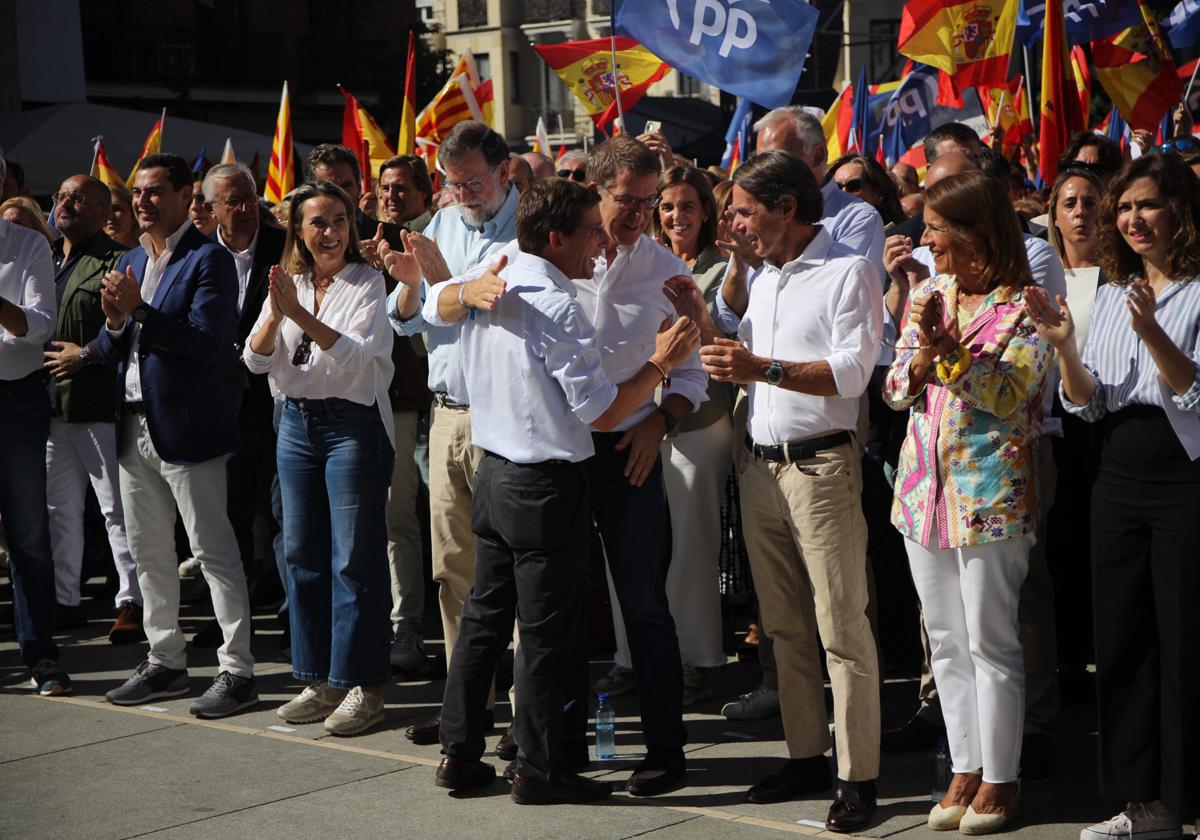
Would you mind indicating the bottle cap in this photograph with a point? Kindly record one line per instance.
(603, 697)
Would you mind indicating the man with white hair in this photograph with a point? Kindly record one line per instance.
(573, 165)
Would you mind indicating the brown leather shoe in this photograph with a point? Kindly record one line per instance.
(568, 789)
(462, 774)
(426, 732)
(128, 626)
(507, 748)
(853, 807)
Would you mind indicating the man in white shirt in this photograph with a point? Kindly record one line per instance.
(27, 317)
(171, 336)
(536, 382)
(810, 328)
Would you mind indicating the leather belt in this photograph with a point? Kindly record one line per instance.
(443, 400)
(787, 453)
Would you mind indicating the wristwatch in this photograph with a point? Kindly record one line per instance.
(774, 373)
(667, 416)
(84, 353)
(139, 312)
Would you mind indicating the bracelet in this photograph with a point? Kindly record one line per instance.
(462, 288)
(662, 371)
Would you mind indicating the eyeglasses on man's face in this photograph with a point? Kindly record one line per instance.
(78, 199)
(245, 202)
(630, 202)
(475, 185)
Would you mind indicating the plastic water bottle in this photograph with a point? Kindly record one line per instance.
(606, 730)
(940, 769)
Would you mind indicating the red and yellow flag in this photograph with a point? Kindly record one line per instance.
(1060, 116)
(1083, 81)
(1136, 70)
(836, 123)
(406, 143)
(152, 146)
(281, 169)
(455, 102)
(1007, 109)
(362, 134)
(969, 40)
(101, 167)
(586, 67)
(485, 98)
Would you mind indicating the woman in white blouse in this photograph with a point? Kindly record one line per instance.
(1139, 377)
(323, 339)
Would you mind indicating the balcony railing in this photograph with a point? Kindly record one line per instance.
(546, 11)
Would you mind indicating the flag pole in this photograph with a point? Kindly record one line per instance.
(612, 40)
(1191, 82)
(561, 139)
(96, 141)
(1033, 112)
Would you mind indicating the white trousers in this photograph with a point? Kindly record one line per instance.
(696, 467)
(76, 454)
(150, 490)
(405, 560)
(970, 597)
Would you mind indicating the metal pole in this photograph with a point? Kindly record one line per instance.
(612, 39)
(1191, 84)
(1033, 112)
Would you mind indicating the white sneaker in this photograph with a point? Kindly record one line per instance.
(408, 650)
(760, 703)
(190, 568)
(358, 712)
(1139, 821)
(316, 702)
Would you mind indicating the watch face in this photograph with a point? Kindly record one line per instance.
(774, 374)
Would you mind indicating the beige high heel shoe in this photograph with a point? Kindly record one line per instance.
(946, 819)
(974, 823)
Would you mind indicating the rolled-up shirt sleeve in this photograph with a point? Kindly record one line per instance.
(857, 325)
(37, 299)
(417, 323)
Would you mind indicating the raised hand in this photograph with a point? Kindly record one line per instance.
(1141, 303)
(485, 290)
(735, 243)
(1053, 323)
(282, 289)
(900, 264)
(675, 342)
(656, 142)
(370, 248)
(124, 292)
(927, 314)
(429, 258)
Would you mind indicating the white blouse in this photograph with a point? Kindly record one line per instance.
(358, 367)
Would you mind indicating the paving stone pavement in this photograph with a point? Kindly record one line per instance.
(78, 767)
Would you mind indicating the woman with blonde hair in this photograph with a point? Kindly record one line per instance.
(24, 211)
(971, 368)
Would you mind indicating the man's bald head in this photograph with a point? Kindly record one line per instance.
(950, 163)
(541, 165)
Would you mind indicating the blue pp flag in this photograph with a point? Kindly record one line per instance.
(1086, 20)
(1030, 16)
(752, 48)
(908, 115)
(1182, 28)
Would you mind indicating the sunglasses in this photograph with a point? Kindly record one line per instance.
(1179, 144)
(1084, 166)
(852, 186)
(303, 354)
(579, 175)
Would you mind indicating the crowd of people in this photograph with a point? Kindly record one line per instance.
(847, 362)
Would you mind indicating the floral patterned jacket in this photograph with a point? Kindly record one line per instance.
(969, 453)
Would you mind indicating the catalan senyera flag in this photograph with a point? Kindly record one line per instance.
(451, 105)
(280, 171)
(101, 167)
(152, 146)
(1060, 116)
(1136, 70)
(406, 143)
(970, 40)
(359, 131)
(586, 67)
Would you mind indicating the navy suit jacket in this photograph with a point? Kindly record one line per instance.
(189, 376)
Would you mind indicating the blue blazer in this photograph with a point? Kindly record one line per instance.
(189, 376)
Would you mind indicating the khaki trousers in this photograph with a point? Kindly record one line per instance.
(807, 541)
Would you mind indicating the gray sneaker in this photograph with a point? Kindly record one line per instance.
(149, 682)
(229, 693)
(316, 702)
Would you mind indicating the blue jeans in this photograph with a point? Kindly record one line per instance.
(335, 462)
(24, 430)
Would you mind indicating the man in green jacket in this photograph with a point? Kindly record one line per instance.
(83, 440)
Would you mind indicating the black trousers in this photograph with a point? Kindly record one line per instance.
(636, 530)
(532, 537)
(1146, 597)
(250, 471)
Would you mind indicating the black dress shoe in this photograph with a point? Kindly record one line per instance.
(661, 771)
(916, 735)
(798, 776)
(1038, 757)
(506, 750)
(566, 790)
(461, 774)
(853, 807)
(426, 732)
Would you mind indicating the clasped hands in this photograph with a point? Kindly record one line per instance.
(119, 296)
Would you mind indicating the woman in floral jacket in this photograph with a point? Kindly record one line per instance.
(971, 366)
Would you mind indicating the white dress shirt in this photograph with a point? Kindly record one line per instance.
(26, 281)
(626, 304)
(533, 372)
(825, 305)
(155, 266)
(244, 262)
(358, 367)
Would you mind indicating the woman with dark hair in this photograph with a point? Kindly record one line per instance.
(1074, 233)
(1139, 377)
(1094, 152)
(971, 368)
(324, 342)
(865, 178)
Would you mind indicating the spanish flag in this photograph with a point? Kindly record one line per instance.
(840, 115)
(969, 40)
(1083, 83)
(1060, 117)
(280, 171)
(1135, 68)
(586, 68)
(362, 134)
(101, 168)
(454, 103)
(1008, 110)
(407, 140)
(152, 146)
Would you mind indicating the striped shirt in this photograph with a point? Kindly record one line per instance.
(1121, 365)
